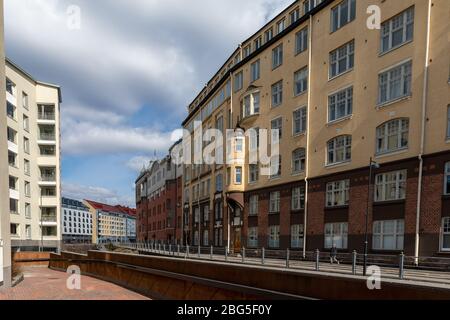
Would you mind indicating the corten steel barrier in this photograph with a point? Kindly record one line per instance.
(173, 277)
(296, 260)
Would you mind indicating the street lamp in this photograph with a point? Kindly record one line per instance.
(372, 165)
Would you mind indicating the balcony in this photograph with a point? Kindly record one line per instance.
(44, 136)
(48, 176)
(47, 134)
(49, 219)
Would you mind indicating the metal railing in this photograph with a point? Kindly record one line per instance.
(48, 178)
(48, 218)
(393, 266)
(46, 116)
(47, 136)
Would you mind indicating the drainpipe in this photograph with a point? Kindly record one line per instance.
(308, 136)
(229, 122)
(422, 138)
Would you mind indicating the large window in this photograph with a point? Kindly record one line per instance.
(274, 237)
(388, 235)
(250, 104)
(255, 70)
(301, 40)
(301, 81)
(340, 150)
(447, 179)
(277, 94)
(298, 198)
(337, 234)
(299, 121)
(342, 59)
(395, 83)
(296, 236)
(338, 193)
(445, 234)
(298, 160)
(253, 210)
(340, 104)
(252, 240)
(277, 56)
(342, 14)
(390, 186)
(397, 30)
(274, 206)
(238, 81)
(253, 173)
(392, 136)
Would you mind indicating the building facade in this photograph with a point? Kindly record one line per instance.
(76, 222)
(111, 223)
(33, 138)
(341, 94)
(158, 201)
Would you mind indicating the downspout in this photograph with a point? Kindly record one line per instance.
(422, 138)
(229, 122)
(307, 134)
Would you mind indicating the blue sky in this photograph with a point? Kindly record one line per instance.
(127, 75)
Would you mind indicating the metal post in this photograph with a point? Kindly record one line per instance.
(402, 266)
(211, 252)
(263, 256)
(354, 256)
(226, 253)
(187, 251)
(287, 257)
(199, 251)
(170, 249)
(243, 255)
(164, 248)
(317, 260)
(178, 250)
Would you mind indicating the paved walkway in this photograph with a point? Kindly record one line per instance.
(41, 283)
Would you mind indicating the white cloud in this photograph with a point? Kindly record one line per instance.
(103, 195)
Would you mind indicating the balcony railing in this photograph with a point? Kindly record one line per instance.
(48, 218)
(48, 178)
(47, 136)
(46, 116)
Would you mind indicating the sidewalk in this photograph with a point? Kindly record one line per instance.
(41, 283)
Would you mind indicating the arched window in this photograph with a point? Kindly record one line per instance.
(392, 135)
(340, 149)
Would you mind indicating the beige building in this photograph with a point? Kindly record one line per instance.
(340, 93)
(33, 144)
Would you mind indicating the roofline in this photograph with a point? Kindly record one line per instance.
(277, 37)
(31, 78)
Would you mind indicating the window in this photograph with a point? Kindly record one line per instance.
(336, 233)
(274, 237)
(268, 35)
(12, 183)
(296, 236)
(275, 167)
(295, 15)
(253, 173)
(219, 183)
(340, 150)
(12, 135)
(298, 160)
(447, 179)
(397, 30)
(308, 5)
(301, 41)
(342, 14)
(26, 145)
(10, 110)
(298, 198)
(27, 189)
(445, 234)
(390, 186)
(196, 238)
(254, 139)
(338, 193)
(238, 175)
(25, 100)
(277, 94)
(206, 238)
(277, 56)
(448, 122)
(342, 59)
(258, 43)
(239, 144)
(274, 202)
(13, 206)
(340, 104)
(12, 159)
(218, 211)
(388, 235)
(253, 210)
(26, 123)
(14, 230)
(10, 87)
(277, 124)
(301, 81)
(392, 136)
(280, 26)
(252, 241)
(247, 50)
(255, 70)
(299, 121)
(238, 81)
(395, 83)
(250, 105)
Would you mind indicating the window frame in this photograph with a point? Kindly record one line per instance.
(334, 101)
(252, 237)
(297, 236)
(255, 70)
(351, 14)
(389, 31)
(384, 184)
(335, 59)
(274, 237)
(405, 82)
(383, 136)
(253, 202)
(298, 198)
(238, 81)
(398, 232)
(301, 40)
(447, 179)
(301, 79)
(342, 235)
(443, 233)
(274, 202)
(277, 56)
(346, 150)
(276, 92)
(334, 188)
(301, 158)
(300, 118)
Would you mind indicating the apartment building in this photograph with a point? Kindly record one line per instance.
(111, 223)
(76, 222)
(345, 98)
(158, 201)
(33, 146)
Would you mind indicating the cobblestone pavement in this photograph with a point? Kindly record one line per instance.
(41, 283)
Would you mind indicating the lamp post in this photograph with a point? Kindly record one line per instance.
(372, 165)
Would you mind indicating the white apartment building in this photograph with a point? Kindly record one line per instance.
(33, 143)
(76, 221)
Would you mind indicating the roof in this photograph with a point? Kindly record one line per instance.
(111, 209)
(73, 203)
(32, 79)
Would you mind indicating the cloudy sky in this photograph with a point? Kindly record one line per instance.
(127, 75)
